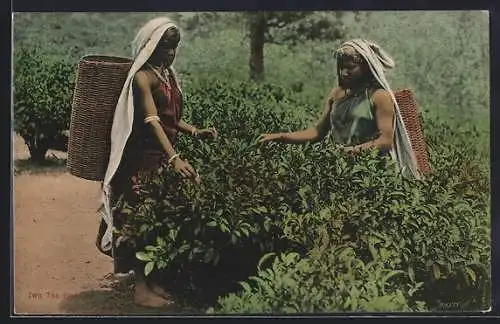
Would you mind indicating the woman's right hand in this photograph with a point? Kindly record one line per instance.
(275, 137)
(186, 170)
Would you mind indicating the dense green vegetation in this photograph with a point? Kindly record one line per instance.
(331, 232)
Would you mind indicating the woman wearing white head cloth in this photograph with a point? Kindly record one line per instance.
(361, 112)
(145, 126)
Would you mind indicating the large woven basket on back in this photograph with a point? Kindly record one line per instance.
(410, 114)
(99, 83)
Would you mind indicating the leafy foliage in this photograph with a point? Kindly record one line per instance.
(293, 27)
(341, 283)
(43, 90)
(347, 233)
(278, 199)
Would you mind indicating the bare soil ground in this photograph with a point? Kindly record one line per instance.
(57, 268)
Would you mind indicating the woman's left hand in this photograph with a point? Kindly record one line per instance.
(207, 133)
(351, 150)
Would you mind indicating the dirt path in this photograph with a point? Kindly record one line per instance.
(58, 269)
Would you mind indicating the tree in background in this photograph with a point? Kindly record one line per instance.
(272, 27)
(288, 28)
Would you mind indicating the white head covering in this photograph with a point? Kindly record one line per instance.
(143, 46)
(378, 61)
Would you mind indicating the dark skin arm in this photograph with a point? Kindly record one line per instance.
(384, 115)
(142, 88)
(192, 130)
(314, 133)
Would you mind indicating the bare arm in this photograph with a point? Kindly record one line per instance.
(312, 134)
(384, 115)
(187, 128)
(142, 87)
(204, 133)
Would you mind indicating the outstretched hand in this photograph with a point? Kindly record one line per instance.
(186, 170)
(350, 150)
(269, 137)
(208, 133)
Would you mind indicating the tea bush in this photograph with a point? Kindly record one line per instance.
(348, 233)
(434, 235)
(337, 283)
(228, 212)
(43, 91)
(315, 201)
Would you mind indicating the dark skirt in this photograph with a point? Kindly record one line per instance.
(126, 184)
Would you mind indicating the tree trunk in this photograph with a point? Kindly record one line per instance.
(258, 26)
(38, 149)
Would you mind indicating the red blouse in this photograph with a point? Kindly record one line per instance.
(143, 152)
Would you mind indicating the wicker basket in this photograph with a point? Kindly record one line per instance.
(411, 118)
(99, 82)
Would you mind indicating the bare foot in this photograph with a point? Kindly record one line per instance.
(144, 296)
(118, 281)
(161, 292)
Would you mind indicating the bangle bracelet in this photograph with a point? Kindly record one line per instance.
(151, 118)
(176, 155)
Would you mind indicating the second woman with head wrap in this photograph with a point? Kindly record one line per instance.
(361, 112)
